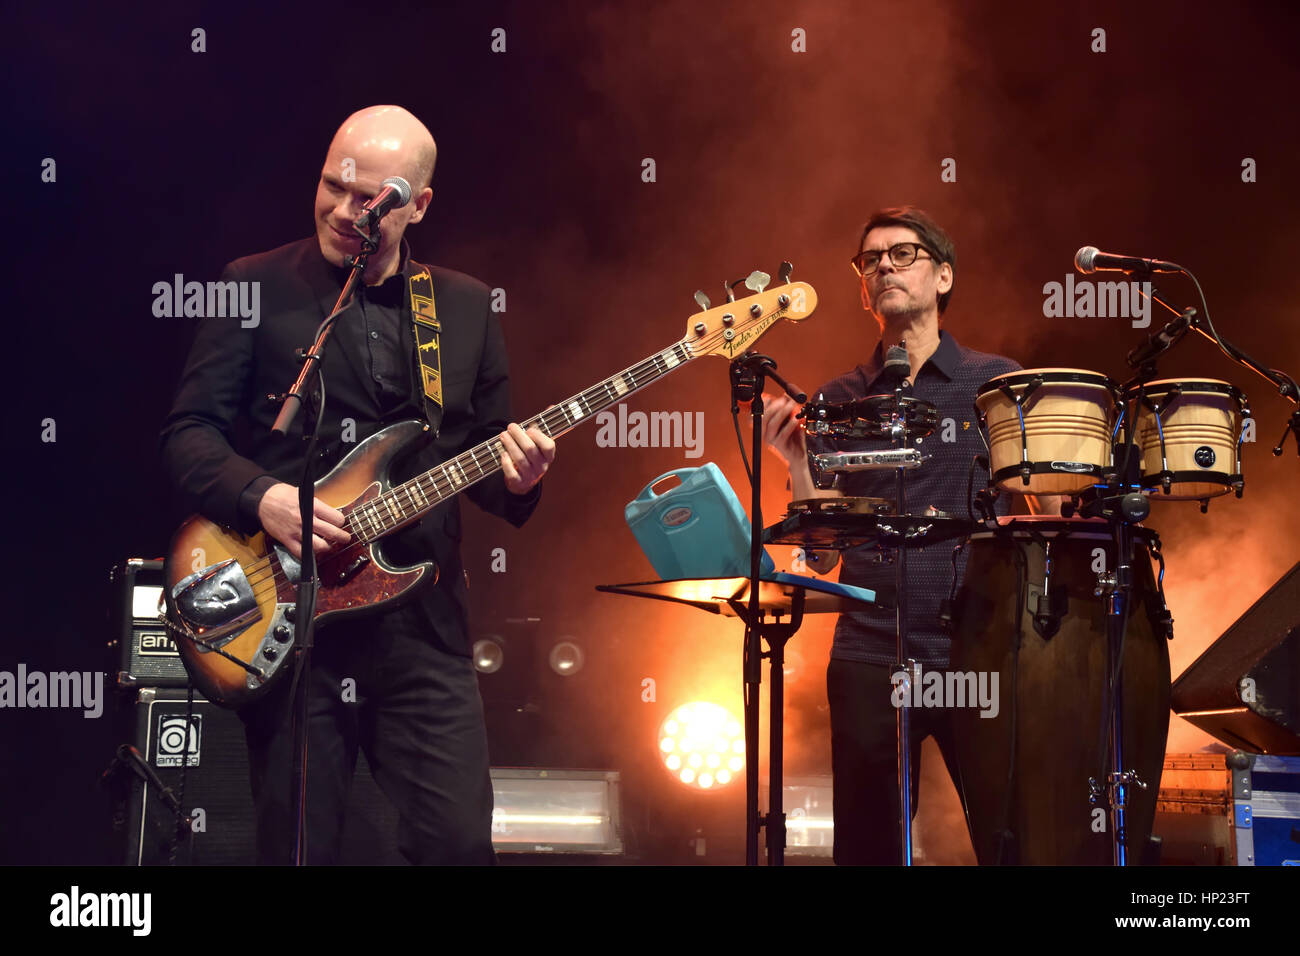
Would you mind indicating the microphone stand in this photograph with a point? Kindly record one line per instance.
(747, 380)
(308, 393)
(1189, 320)
(1124, 507)
(904, 668)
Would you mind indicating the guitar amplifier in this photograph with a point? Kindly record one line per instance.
(216, 784)
(145, 654)
(217, 791)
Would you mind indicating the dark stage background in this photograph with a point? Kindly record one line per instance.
(171, 161)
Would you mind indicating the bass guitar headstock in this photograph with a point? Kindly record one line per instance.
(733, 328)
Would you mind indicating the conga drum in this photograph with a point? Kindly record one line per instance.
(1025, 771)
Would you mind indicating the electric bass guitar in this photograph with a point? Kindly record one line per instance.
(230, 598)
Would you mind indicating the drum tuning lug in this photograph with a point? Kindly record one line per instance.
(1205, 505)
(702, 300)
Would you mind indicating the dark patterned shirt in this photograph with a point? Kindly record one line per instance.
(948, 380)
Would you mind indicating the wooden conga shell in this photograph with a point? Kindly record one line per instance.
(1069, 421)
(1058, 690)
(1204, 419)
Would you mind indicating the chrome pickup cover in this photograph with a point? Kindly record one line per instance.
(216, 603)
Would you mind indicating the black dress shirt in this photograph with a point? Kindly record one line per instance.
(948, 380)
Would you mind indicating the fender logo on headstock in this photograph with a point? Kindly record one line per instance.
(741, 342)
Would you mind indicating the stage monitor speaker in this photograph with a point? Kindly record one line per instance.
(1245, 688)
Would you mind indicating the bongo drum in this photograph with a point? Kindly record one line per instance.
(1189, 435)
(1050, 431)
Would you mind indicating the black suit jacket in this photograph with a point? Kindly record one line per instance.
(217, 438)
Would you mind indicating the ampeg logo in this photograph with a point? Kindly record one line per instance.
(156, 644)
(176, 740)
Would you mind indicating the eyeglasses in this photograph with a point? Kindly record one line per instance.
(901, 254)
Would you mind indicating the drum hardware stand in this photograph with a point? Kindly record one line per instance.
(1116, 587)
(1292, 428)
(898, 417)
(1122, 508)
(904, 666)
(747, 380)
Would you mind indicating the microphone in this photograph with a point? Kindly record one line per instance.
(897, 366)
(394, 194)
(1090, 259)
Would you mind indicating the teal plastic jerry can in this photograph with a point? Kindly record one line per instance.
(696, 529)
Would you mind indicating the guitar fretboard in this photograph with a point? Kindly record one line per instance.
(406, 502)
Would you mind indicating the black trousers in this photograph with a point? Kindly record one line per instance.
(864, 760)
(414, 708)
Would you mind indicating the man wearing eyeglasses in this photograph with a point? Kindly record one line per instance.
(906, 269)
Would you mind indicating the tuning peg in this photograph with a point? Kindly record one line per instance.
(783, 274)
(730, 288)
(757, 281)
(702, 300)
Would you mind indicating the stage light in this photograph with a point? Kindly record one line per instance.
(702, 745)
(488, 655)
(566, 658)
(809, 824)
(542, 810)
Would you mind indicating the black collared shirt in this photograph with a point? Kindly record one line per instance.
(385, 320)
(948, 380)
(390, 349)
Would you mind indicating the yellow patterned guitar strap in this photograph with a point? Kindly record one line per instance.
(424, 324)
